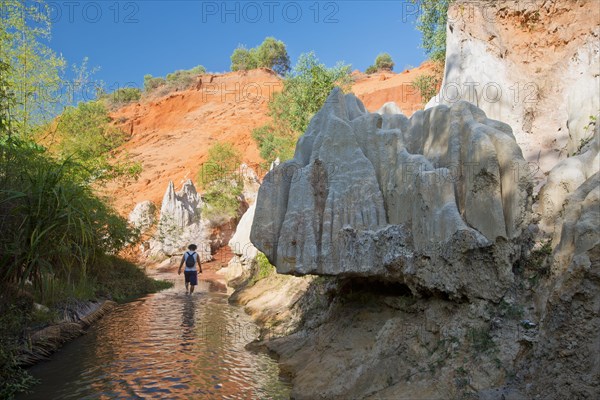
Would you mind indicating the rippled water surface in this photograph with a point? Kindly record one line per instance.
(167, 345)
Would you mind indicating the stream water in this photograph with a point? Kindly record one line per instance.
(167, 345)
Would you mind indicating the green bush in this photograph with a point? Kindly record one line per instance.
(122, 280)
(427, 86)
(151, 83)
(52, 223)
(13, 320)
(121, 97)
(178, 80)
(221, 183)
(305, 90)
(371, 69)
(271, 53)
(384, 62)
(84, 135)
(262, 269)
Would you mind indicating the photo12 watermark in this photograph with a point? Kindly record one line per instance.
(93, 12)
(253, 12)
(469, 11)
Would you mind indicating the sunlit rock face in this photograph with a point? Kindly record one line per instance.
(142, 216)
(439, 201)
(180, 223)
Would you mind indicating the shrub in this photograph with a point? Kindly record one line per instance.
(371, 69)
(84, 135)
(305, 90)
(275, 143)
(384, 62)
(427, 86)
(271, 53)
(178, 80)
(181, 80)
(151, 83)
(221, 183)
(121, 97)
(52, 223)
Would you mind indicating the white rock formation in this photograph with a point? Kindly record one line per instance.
(563, 180)
(243, 250)
(532, 64)
(180, 223)
(250, 182)
(438, 202)
(142, 216)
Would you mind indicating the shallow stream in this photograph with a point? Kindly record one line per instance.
(166, 345)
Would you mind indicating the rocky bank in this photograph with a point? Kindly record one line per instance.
(455, 254)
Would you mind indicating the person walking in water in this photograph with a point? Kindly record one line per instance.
(191, 259)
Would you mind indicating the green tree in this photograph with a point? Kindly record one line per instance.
(384, 62)
(35, 70)
(6, 101)
(243, 59)
(120, 97)
(273, 54)
(305, 90)
(433, 16)
(83, 134)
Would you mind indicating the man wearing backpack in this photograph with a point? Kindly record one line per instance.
(191, 259)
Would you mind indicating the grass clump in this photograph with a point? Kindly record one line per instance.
(262, 269)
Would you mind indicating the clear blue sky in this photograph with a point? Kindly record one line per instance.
(128, 39)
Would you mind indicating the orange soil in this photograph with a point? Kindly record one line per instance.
(170, 136)
(377, 89)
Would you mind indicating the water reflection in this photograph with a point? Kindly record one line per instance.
(167, 345)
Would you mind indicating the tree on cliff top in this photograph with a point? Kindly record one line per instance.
(383, 62)
(271, 53)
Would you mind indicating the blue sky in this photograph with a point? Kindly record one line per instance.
(128, 39)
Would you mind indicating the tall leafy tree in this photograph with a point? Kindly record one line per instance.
(35, 70)
(273, 54)
(433, 16)
(243, 59)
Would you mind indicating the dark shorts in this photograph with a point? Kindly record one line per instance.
(191, 277)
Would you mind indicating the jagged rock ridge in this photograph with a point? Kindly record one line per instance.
(180, 223)
(438, 201)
